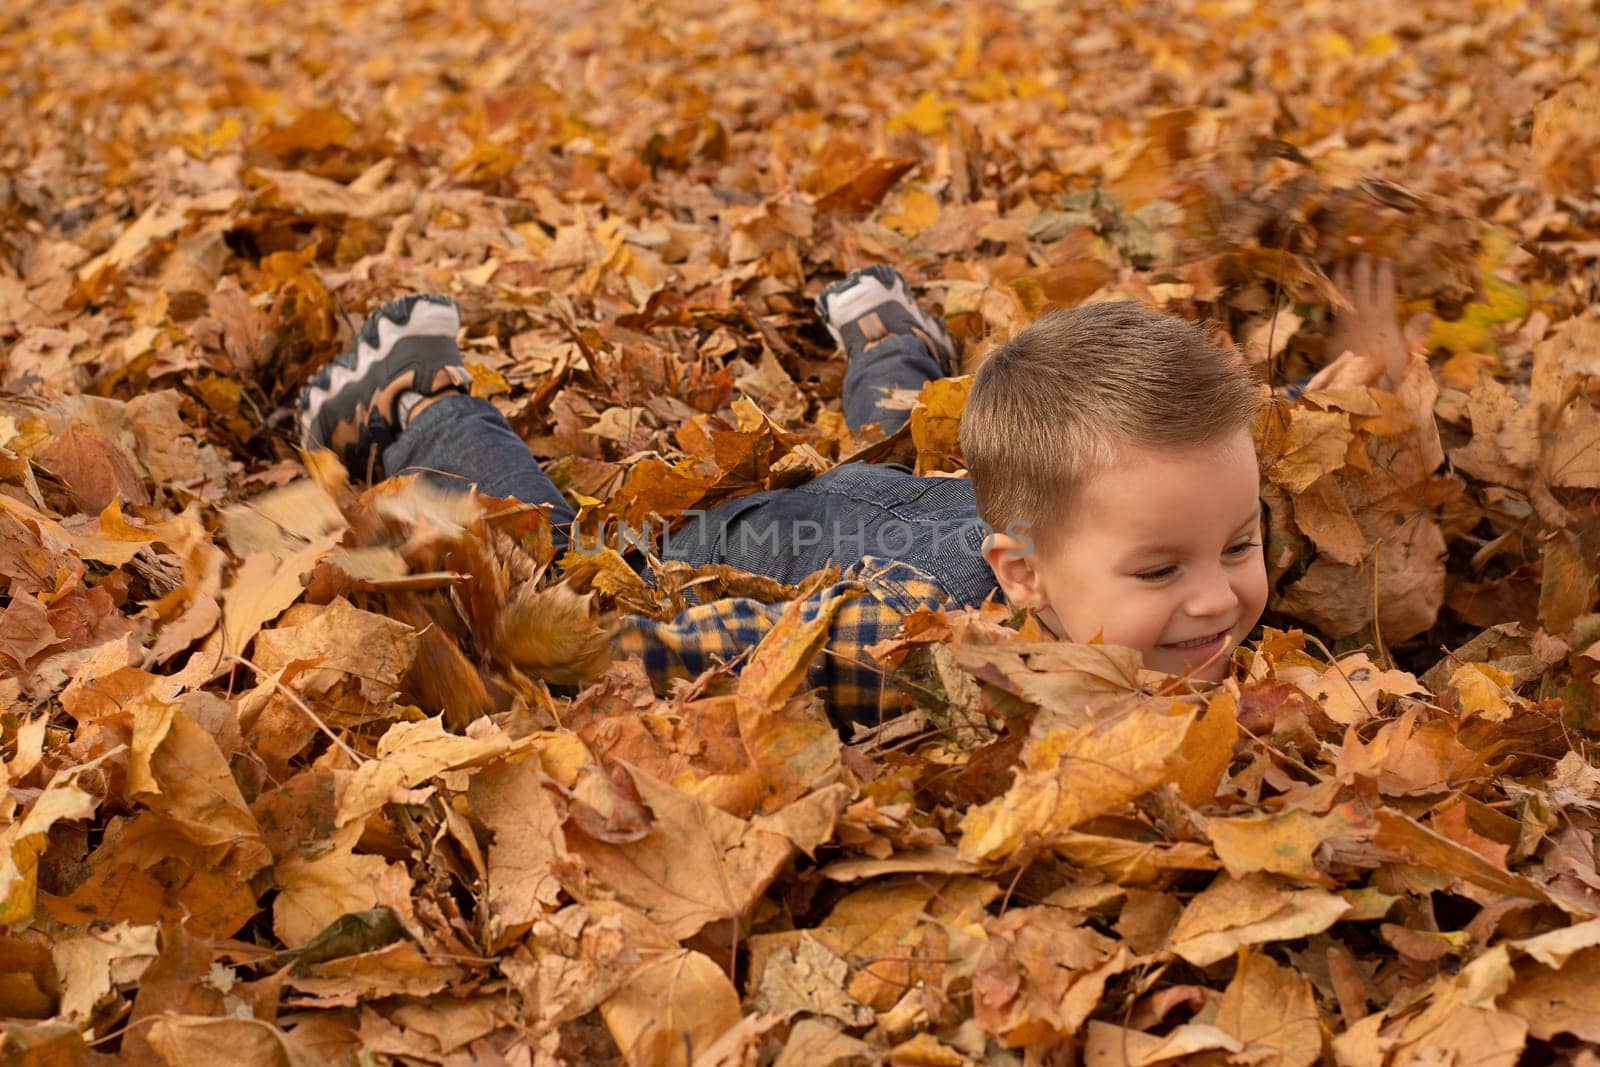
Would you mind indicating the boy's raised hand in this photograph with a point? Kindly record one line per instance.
(1366, 341)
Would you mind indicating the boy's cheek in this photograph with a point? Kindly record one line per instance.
(1259, 595)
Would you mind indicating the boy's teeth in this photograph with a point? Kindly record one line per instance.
(1197, 642)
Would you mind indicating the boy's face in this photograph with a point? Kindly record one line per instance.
(1163, 555)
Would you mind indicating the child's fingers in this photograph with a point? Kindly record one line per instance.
(1383, 295)
(1417, 327)
(1361, 281)
(1341, 277)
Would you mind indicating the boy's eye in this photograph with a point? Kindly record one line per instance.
(1158, 574)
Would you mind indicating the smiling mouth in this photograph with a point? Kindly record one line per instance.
(1200, 642)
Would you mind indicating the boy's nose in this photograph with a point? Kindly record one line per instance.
(1214, 595)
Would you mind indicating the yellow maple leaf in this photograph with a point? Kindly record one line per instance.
(928, 114)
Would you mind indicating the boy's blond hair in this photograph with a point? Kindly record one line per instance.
(1049, 408)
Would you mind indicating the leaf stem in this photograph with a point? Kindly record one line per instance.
(294, 698)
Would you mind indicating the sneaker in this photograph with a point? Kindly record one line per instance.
(873, 303)
(358, 402)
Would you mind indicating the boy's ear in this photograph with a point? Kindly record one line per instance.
(1011, 559)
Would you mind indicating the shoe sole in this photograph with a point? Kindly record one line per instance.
(386, 345)
(865, 291)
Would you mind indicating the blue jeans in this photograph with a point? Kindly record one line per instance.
(851, 511)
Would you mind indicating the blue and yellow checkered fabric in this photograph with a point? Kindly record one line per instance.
(854, 685)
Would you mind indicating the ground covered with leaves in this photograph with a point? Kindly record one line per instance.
(295, 770)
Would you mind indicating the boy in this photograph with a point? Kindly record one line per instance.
(1110, 445)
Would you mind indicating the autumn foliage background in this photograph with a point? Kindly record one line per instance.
(296, 770)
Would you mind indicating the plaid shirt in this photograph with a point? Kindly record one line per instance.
(708, 634)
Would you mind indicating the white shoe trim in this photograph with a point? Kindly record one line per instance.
(428, 319)
(862, 297)
(867, 294)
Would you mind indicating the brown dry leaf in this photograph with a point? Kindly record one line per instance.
(200, 1040)
(23, 840)
(1408, 756)
(308, 194)
(1265, 338)
(282, 521)
(1563, 142)
(263, 587)
(1572, 457)
(91, 965)
(28, 753)
(130, 244)
(556, 634)
(1556, 947)
(1567, 586)
(1323, 514)
(94, 469)
(792, 744)
(174, 984)
(1470, 1034)
(885, 931)
(314, 890)
(998, 307)
(178, 772)
(1361, 1045)
(170, 449)
(1040, 974)
(1438, 854)
(696, 865)
(1563, 362)
(1286, 843)
(374, 651)
(450, 1024)
(1505, 436)
(1484, 690)
(807, 978)
(1232, 913)
(779, 663)
(864, 189)
(58, 539)
(814, 1043)
(399, 969)
(1146, 918)
(670, 1010)
(153, 875)
(931, 861)
(25, 630)
(528, 851)
(1314, 445)
(925, 1050)
(1132, 862)
(50, 1042)
(1273, 1012)
(411, 753)
(1349, 690)
(442, 676)
(1064, 678)
(809, 822)
(1460, 1021)
(1558, 1001)
(1075, 773)
(1404, 579)
(1208, 750)
(1113, 1046)
(936, 422)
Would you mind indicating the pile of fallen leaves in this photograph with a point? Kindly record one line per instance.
(295, 770)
